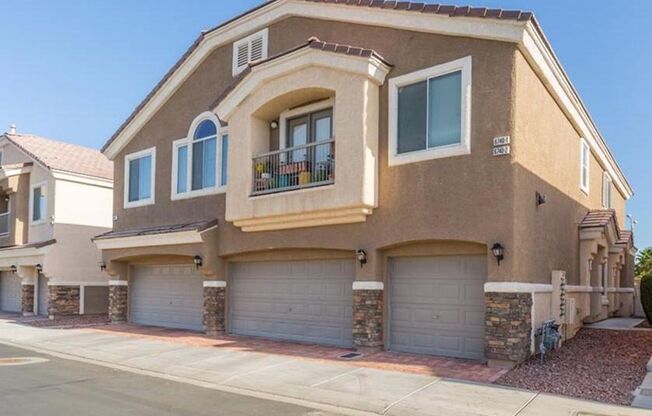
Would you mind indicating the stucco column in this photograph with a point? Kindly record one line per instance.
(368, 302)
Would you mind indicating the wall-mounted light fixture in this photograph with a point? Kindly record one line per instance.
(274, 124)
(499, 252)
(39, 268)
(198, 262)
(14, 269)
(7, 198)
(102, 266)
(541, 198)
(361, 255)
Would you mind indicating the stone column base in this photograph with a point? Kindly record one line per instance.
(508, 327)
(118, 300)
(214, 307)
(64, 300)
(368, 315)
(27, 299)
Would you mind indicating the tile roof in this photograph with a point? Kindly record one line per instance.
(63, 156)
(198, 226)
(452, 11)
(626, 237)
(16, 165)
(39, 244)
(598, 218)
(311, 43)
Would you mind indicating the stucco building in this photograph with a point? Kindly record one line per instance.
(390, 175)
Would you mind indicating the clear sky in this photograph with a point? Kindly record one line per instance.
(74, 70)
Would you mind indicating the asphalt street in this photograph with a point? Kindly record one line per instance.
(57, 387)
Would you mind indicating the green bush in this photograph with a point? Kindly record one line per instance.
(646, 296)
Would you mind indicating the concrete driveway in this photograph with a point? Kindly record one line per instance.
(340, 387)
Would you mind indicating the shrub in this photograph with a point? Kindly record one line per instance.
(646, 296)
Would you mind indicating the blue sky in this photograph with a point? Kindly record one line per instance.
(74, 70)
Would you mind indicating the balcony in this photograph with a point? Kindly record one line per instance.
(299, 167)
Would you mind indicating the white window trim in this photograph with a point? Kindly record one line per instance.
(462, 148)
(44, 186)
(298, 111)
(264, 34)
(2, 155)
(607, 197)
(584, 147)
(187, 141)
(8, 218)
(142, 202)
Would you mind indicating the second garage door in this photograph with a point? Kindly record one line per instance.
(10, 292)
(437, 305)
(305, 301)
(167, 296)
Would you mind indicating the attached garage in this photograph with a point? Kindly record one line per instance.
(437, 305)
(10, 292)
(304, 301)
(166, 296)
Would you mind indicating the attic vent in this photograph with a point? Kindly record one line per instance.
(250, 49)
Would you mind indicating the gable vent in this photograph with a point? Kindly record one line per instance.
(250, 49)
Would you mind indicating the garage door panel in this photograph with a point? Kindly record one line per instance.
(437, 305)
(307, 301)
(10, 292)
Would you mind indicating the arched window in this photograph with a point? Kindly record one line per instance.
(200, 159)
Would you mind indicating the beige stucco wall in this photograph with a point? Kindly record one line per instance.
(74, 258)
(96, 209)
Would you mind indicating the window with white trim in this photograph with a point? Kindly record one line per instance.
(250, 49)
(585, 165)
(606, 191)
(140, 177)
(199, 162)
(430, 113)
(38, 203)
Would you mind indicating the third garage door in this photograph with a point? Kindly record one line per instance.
(437, 305)
(306, 301)
(167, 296)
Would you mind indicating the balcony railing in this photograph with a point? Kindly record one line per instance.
(297, 167)
(4, 223)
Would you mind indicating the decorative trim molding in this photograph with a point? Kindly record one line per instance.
(152, 240)
(96, 284)
(27, 283)
(579, 289)
(625, 290)
(368, 286)
(308, 219)
(118, 283)
(214, 283)
(517, 287)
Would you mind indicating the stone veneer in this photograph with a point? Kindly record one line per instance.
(64, 300)
(27, 299)
(368, 318)
(508, 326)
(214, 304)
(118, 301)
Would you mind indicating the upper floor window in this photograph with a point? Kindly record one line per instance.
(140, 178)
(585, 164)
(606, 191)
(2, 157)
(200, 160)
(38, 203)
(430, 113)
(250, 49)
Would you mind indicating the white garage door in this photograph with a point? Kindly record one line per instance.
(10, 292)
(167, 296)
(305, 301)
(437, 305)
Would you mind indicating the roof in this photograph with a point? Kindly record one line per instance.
(598, 218)
(198, 226)
(66, 157)
(626, 237)
(40, 244)
(452, 11)
(16, 165)
(312, 43)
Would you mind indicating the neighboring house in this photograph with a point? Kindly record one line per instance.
(54, 197)
(415, 177)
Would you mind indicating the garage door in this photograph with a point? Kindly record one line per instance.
(10, 292)
(167, 296)
(437, 305)
(305, 301)
(43, 296)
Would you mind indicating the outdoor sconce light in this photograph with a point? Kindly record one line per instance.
(7, 198)
(39, 268)
(541, 198)
(361, 255)
(14, 269)
(274, 124)
(198, 262)
(102, 266)
(499, 252)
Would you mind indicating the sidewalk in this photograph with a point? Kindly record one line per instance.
(353, 390)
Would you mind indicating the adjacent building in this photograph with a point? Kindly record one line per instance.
(54, 197)
(395, 175)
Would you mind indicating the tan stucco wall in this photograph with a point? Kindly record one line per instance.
(74, 258)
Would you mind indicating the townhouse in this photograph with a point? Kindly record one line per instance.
(54, 197)
(419, 178)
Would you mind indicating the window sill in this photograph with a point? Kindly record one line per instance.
(429, 154)
(137, 204)
(584, 190)
(199, 193)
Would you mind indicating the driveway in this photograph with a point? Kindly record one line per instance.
(285, 377)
